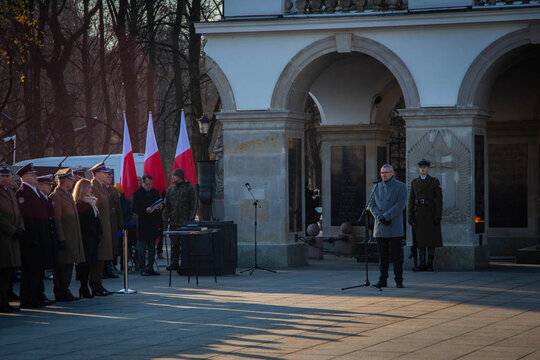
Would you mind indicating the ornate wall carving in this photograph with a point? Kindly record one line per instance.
(451, 164)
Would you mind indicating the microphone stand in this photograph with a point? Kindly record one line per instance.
(255, 265)
(364, 217)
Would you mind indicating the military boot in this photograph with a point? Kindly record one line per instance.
(429, 266)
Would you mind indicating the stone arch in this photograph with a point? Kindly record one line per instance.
(222, 84)
(483, 70)
(297, 77)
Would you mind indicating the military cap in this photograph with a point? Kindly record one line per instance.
(108, 171)
(80, 172)
(65, 173)
(98, 167)
(179, 173)
(26, 169)
(46, 179)
(5, 170)
(424, 162)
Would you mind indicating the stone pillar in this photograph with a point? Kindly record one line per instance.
(446, 137)
(255, 151)
(368, 137)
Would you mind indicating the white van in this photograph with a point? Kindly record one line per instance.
(113, 161)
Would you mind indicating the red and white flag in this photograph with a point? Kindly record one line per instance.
(183, 157)
(152, 160)
(128, 174)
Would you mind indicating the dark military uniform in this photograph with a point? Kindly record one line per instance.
(11, 230)
(35, 244)
(425, 212)
(178, 208)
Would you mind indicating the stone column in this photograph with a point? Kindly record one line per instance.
(368, 137)
(255, 151)
(446, 137)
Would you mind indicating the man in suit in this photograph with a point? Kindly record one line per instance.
(425, 213)
(149, 219)
(387, 205)
(11, 232)
(37, 236)
(70, 249)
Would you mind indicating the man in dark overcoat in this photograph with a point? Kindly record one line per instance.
(148, 221)
(11, 232)
(425, 212)
(37, 238)
(387, 205)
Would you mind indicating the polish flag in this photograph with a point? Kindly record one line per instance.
(128, 174)
(152, 161)
(183, 158)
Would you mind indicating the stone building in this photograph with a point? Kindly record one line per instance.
(461, 79)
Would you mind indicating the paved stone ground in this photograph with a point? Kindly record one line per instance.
(298, 313)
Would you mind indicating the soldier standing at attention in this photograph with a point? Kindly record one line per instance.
(70, 249)
(11, 232)
(37, 236)
(425, 212)
(100, 181)
(178, 207)
(387, 205)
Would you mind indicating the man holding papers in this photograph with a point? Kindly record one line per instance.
(147, 204)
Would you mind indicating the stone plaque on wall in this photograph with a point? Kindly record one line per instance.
(295, 185)
(507, 185)
(348, 183)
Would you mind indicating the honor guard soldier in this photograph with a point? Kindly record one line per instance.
(11, 232)
(178, 206)
(425, 212)
(100, 180)
(37, 237)
(70, 249)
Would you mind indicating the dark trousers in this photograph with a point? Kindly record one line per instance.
(83, 269)
(145, 247)
(30, 292)
(391, 246)
(62, 278)
(5, 285)
(94, 275)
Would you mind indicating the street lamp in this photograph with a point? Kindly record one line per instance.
(205, 174)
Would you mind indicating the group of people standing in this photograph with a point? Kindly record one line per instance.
(387, 204)
(44, 228)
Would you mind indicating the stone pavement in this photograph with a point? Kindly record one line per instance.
(298, 313)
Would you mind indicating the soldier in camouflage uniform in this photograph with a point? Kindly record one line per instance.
(178, 208)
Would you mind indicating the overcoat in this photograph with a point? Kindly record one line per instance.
(389, 200)
(90, 230)
(37, 235)
(10, 220)
(105, 247)
(148, 223)
(425, 211)
(67, 227)
(51, 248)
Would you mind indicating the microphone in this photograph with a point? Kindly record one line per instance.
(377, 181)
(247, 186)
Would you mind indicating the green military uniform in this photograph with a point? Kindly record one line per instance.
(425, 211)
(178, 207)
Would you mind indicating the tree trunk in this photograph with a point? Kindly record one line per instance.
(150, 72)
(88, 133)
(103, 80)
(194, 58)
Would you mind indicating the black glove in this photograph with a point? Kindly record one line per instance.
(61, 245)
(411, 222)
(18, 234)
(436, 222)
(383, 221)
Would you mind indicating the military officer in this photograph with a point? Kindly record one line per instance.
(79, 173)
(117, 222)
(387, 205)
(70, 249)
(100, 180)
(178, 206)
(11, 232)
(425, 212)
(37, 238)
